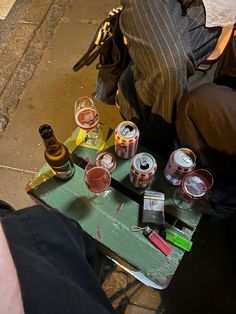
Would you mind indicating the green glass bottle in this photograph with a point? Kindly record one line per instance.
(56, 154)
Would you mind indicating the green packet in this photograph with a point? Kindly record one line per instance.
(178, 240)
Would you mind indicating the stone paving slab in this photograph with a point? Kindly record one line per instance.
(24, 51)
(9, 192)
(146, 297)
(115, 287)
(132, 309)
(94, 10)
(5, 7)
(128, 295)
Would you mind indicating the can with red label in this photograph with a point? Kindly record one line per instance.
(182, 161)
(126, 139)
(142, 170)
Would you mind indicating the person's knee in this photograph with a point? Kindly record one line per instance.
(194, 108)
(197, 99)
(207, 115)
(208, 99)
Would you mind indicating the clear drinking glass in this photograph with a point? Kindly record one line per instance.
(106, 160)
(98, 180)
(195, 185)
(87, 118)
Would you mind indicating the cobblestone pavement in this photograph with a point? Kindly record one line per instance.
(24, 35)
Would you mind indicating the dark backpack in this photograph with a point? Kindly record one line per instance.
(107, 44)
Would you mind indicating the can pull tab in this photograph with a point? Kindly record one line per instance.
(144, 165)
(157, 240)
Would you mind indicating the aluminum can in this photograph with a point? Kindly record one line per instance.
(106, 160)
(126, 139)
(142, 170)
(182, 161)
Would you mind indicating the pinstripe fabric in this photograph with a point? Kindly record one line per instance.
(165, 48)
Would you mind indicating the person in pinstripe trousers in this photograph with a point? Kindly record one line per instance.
(167, 40)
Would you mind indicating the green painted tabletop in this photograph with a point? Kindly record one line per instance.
(109, 223)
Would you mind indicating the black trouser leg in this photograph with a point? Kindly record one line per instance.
(5, 208)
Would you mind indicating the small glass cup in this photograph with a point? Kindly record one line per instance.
(98, 180)
(87, 118)
(106, 160)
(195, 185)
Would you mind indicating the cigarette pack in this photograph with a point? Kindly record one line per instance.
(153, 208)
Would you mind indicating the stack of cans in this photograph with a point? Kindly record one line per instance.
(126, 139)
(181, 161)
(142, 170)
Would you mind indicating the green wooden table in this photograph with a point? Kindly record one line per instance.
(107, 223)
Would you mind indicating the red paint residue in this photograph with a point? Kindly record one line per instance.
(119, 208)
(99, 233)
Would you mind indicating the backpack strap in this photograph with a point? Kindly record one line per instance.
(102, 35)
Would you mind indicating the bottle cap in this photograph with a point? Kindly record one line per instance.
(45, 130)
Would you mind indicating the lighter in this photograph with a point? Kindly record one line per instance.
(157, 241)
(178, 240)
